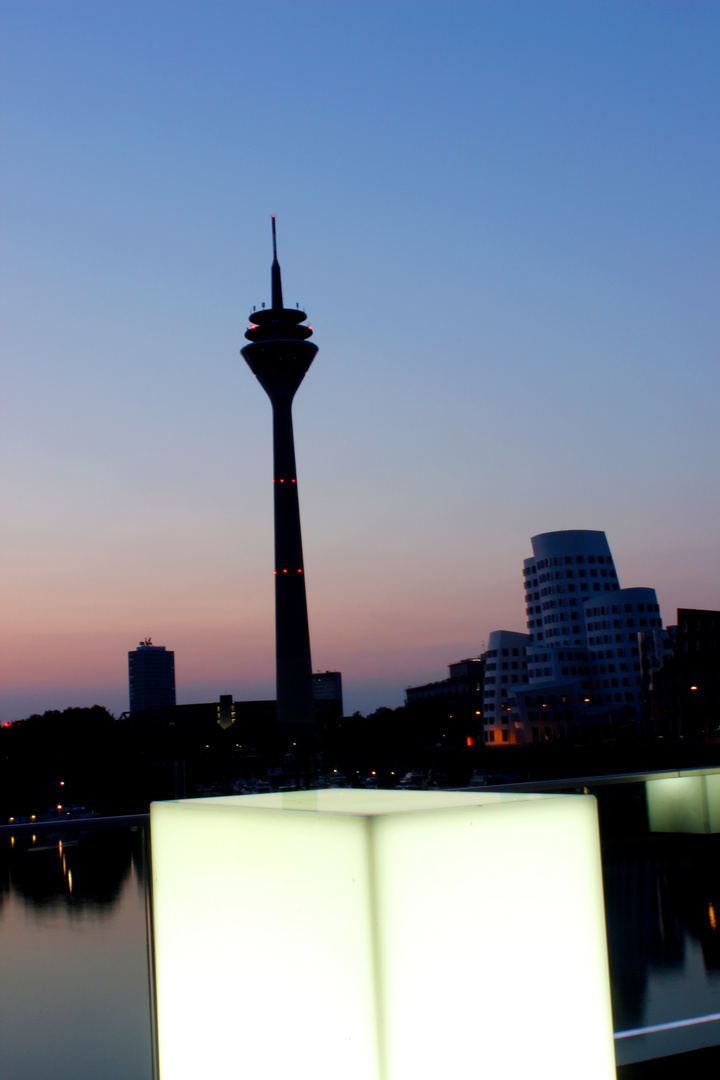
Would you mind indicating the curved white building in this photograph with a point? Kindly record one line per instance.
(582, 653)
(565, 570)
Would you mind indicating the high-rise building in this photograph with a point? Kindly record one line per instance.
(279, 356)
(582, 651)
(327, 686)
(151, 672)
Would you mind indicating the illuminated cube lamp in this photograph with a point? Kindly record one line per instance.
(380, 935)
(684, 804)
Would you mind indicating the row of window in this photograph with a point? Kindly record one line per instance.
(629, 623)
(490, 736)
(614, 682)
(615, 609)
(559, 560)
(551, 699)
(584, 587)
(608, 654)
(569, 574)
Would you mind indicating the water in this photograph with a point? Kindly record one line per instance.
(662, 900)
(74, 999)
(74, 986)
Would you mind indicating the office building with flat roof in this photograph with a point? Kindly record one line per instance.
(151, 677)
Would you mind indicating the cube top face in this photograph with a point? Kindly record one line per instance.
(356, 802)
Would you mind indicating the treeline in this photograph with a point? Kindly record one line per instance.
(69, 757)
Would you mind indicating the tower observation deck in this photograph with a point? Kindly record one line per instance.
(279, 355)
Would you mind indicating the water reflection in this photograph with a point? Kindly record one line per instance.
(81, 872)
(74, 989)
(662, 894)
(662, 899)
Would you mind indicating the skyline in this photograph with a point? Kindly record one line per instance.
(503, 219)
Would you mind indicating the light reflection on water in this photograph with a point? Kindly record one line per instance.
(74, 1001)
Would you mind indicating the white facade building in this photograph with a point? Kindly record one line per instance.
(505, 669)
(582, 652)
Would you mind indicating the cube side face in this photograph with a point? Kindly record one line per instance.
(712, 794)
(493, 945)
(677, 804)
(263, 943)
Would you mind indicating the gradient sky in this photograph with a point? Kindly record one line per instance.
(502, 219)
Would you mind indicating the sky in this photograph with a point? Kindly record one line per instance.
(502, 220)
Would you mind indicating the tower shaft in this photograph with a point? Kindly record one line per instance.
(295, 701)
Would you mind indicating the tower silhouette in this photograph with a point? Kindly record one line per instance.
(279, 356)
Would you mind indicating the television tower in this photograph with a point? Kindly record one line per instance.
(278, 356)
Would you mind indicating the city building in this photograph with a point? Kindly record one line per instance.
(151, 677)
(456, 701)
(204, 716)
(684, 691)
(327, 691)
(582, 676)
(465, 680)
(505, 669)
(279, 355)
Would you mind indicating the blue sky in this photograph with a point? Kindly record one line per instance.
(502, 221)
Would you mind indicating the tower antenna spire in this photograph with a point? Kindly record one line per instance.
(277, 296)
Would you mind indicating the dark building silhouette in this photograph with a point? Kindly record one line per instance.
(463, 686)
(279, 356)
(151, 671)
(327, 690)
(685, 691)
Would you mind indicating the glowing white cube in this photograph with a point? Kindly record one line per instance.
(380, 935)
(684, 804)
